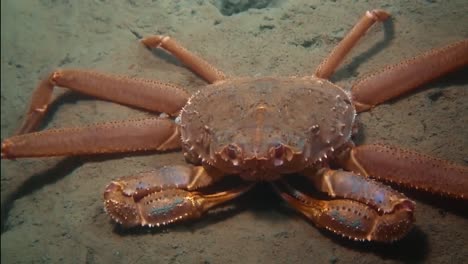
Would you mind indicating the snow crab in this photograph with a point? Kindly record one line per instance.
(260, 129)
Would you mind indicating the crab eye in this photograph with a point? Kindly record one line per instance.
(279, 151)
(232, 151)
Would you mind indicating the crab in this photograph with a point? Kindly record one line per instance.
(261, 129)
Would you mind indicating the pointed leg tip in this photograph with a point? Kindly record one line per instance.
(5, 147)
(149, 42)
(153, 41)
(378, 14)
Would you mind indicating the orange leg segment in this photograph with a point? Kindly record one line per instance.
(409, 168)
(147, 94)
(401, 78)
(195, 63)
(125, 136)
(334, 59)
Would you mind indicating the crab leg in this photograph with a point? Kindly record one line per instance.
(147, 94)
(409, 168)
(348, 185)
(168, 177)
(111, 137)
(350, 218)
(195, 63)
(397, 79)
(164, 196)
(331, 63)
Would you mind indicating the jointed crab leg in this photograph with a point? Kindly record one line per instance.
(397, 79)
(350, 218)
(195, 63)
(344, 184)
(185, 177)
(164, 196)
(147, 94)
(331, 63)
(125, 136)
(409, 168)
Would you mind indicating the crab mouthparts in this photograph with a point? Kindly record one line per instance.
(276, 155)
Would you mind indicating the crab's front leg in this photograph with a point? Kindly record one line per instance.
(364, 209)
(165, 195)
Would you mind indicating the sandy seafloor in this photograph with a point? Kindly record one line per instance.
(52, 209)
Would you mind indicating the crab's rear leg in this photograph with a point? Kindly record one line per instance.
(146, 94)
(194, 62)
(164, 196)
(397, 79)
(409, 168)
(334, 59)
(353, 217)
